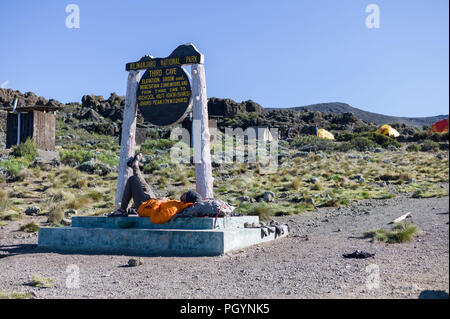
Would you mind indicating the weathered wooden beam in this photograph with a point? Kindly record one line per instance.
(399, 219)
(127, 144)
(202, 154)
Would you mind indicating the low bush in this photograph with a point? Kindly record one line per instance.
(75, 157)
(4, 200)
(413, 148)
(365, 141)
(15, 165)
(30, 228)
(429, 146)
(149, 146)
(313, 143)
(27, 150)
(400, 233)
(258, 209)
(361, 143)
(42, 282)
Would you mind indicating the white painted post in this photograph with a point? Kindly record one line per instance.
(128, 141)
(18, 120)
(202, 154)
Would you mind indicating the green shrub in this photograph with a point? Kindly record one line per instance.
(413, 148)
(313, 143)
(55, 214)
(420, 136)
(438, 137)
(75, 157)
(109, 158)
(400, 233)
(156, 165)
(382, 140)
(361, 143)
(4, 200)
(15, 165)
(429, 145)
(365, 141)
(30, 228)
(16, 295)
(262, 210)
(42, 282)
(95, 196)
(27, 150)
(149, 146)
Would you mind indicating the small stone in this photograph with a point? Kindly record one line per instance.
(269, 196)
(70, 212)
(313, 180)
(246, 199)
(133, 262)
(66, 222)
(32, 211)
(360, 179)
(411, 181)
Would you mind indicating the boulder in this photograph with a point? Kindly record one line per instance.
(268, 196)
(70, 212)
(93, 167)
(32, 211)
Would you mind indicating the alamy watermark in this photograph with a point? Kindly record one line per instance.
(373, 277)
(73, 19)
(254, 145)
(373, 19)
(73, 279)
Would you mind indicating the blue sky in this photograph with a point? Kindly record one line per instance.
(278, 53)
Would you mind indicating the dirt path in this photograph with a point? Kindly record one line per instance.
(293, 267)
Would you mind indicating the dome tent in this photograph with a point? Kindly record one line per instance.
(440, 127)
(388, 131)
(325, 134)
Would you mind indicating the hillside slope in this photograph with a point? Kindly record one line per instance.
(337, 107)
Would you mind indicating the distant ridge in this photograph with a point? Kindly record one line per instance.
(337, 107)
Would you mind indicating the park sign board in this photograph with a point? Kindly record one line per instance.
(182, 55)
(164, 93)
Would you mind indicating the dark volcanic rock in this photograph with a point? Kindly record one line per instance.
(229, 108)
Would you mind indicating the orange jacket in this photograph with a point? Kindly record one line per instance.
(161, 211)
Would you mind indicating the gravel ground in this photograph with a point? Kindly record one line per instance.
(306, 264)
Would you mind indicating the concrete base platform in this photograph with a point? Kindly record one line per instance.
(179, 223)
(185, 237)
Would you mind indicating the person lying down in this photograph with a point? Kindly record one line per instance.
(160, 210)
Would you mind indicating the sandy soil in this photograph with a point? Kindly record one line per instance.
(307, 264)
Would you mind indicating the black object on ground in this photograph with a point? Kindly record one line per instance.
(360, 254)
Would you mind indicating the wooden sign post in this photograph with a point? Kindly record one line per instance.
(127, 144)
(202, 153)
(164, 97)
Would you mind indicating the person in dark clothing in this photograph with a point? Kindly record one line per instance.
(136, 188)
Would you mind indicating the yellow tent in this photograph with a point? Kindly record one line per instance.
(388, 130)
(325, 134)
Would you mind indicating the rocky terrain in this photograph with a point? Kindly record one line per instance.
(306, 264)
(370, 117)
(104, 116)
(328, 192)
